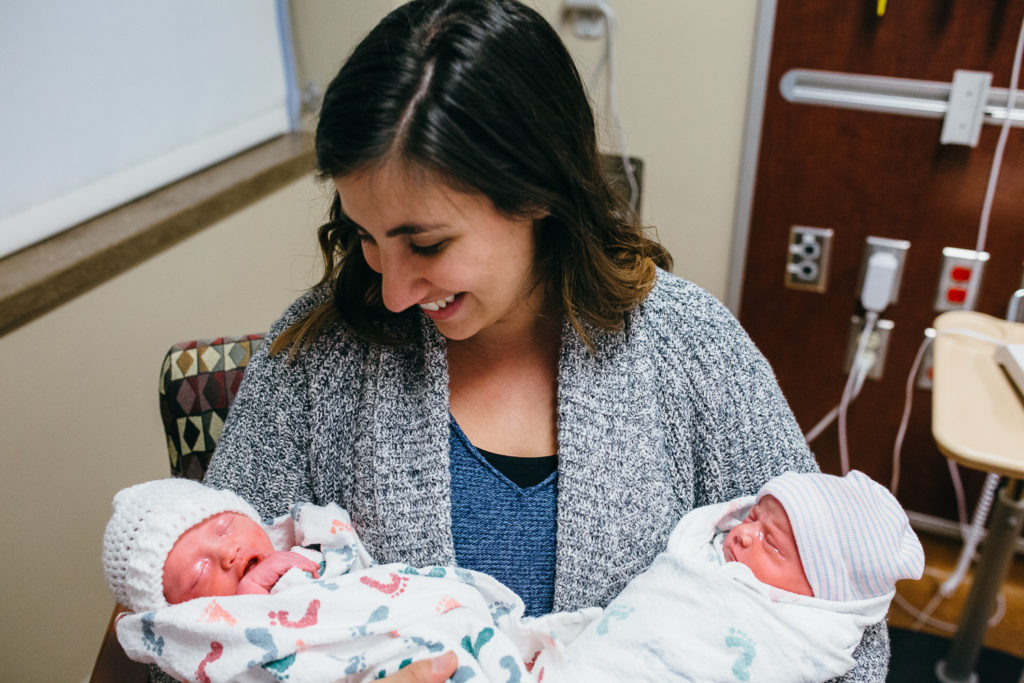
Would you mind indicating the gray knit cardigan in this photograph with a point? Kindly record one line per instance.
(675, 411)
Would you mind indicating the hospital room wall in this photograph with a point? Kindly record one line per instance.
(80, 417)
(682, 80)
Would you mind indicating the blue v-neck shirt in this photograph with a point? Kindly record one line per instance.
(502, 529)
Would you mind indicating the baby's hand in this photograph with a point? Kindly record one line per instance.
(261, 578)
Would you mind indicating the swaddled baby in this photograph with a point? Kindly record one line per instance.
(780, 585)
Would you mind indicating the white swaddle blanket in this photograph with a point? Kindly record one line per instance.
(693, 617)
(688, 618)
(357, 622)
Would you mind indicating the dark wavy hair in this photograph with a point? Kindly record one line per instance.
(483, 95)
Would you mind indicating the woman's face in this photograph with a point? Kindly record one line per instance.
(466, 266)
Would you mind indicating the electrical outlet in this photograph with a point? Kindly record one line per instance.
(877, 346)
(808, 258)
(897, 248)
(960, 268)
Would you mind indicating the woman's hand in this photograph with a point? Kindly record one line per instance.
(261, 578)
(436, 670)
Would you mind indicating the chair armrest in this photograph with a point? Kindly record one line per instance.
(112, 664)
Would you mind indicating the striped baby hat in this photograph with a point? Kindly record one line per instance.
(854, 538)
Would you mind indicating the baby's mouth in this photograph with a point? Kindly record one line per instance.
(253, 561)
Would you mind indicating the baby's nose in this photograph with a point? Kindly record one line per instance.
(228, 555)
(745, 535)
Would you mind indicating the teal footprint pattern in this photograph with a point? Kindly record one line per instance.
(509, 663)
(482, 638)
(618, 612)
(738, 640)
(276, 666)
(379, 614)
(149, 638)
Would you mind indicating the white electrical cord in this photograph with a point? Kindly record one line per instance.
(997, 161)
(814, 432)
(971, 534)
(908, 401)
(924, 617)
(860, 367)
(876, 292)
(608, 59)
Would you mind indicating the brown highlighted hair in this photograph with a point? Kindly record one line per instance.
(483, 95)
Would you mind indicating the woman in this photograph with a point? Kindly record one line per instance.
(495, 370)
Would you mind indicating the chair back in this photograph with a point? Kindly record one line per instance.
(198, 382)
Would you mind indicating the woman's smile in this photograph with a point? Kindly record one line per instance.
(467, 266)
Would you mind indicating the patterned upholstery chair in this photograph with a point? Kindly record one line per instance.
(198, 381)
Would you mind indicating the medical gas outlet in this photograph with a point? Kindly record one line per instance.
(809, 252)
(960, 279)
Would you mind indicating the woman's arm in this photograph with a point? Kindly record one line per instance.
(872, 656)
(734, 427)
(263, 451)
(726, 418)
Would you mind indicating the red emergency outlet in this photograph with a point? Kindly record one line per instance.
(956, 295)
(960, 274)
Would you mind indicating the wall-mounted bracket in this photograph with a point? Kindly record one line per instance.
(907, 96)
(967, 99)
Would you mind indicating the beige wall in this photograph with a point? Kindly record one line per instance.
(80, 419)
(79, 412)
(682, 79)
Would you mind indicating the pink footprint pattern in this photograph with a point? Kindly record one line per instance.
(394, 589)
(216, 650)
(281, 617)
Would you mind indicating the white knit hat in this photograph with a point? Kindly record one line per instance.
(148, 518)
(854, 538)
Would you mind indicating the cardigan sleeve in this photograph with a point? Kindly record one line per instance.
(728, 421)
(726, 417)
(263, 451)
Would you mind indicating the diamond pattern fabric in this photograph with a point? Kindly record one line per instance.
(198, 381)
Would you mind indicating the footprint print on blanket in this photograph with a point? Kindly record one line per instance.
(216, 650)
(356, 664)
(149, 638)
(271, 662)
(739, 640)
(379, 614)
(281, 617)
(499, 609)
(435, 572)
(507, 662)
(481, 639)
(395, 588)
(430, 645)
(619, 612)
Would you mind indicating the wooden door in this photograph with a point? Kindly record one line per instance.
(861, 174)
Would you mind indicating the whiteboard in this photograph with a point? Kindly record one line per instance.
(106, 100)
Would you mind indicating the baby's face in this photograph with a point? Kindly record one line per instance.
(764, 542)
(212, 557)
